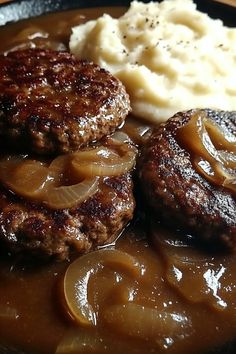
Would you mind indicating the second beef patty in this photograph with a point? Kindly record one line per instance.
(32, 229)
(177, 193)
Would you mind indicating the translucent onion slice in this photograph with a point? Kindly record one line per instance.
(199, 136)
(34, 179)
(77, 276)
(70, 196)
(144, 322)
(57, 169)
(198, 276)
(224, 178)
(228, 158)
(82, 340)
(120, 137)
(219, 140)
(103, 161)
(138, 133)
(28, 178)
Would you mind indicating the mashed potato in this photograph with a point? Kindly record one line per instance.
(170, 57)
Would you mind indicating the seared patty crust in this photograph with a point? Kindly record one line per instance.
(31, 229)
(52, 103)
(177, 194)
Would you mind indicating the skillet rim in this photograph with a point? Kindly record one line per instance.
(16, 10)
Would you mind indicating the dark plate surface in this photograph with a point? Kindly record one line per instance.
(18, 10)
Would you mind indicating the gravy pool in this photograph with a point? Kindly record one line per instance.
(196, 288)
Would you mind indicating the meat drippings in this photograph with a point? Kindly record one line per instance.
(213, 152)
(182, 301)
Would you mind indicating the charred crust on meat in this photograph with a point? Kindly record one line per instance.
(32, 229)
(177, 194)
(52, 103)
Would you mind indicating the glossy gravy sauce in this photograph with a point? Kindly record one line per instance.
(186, 296)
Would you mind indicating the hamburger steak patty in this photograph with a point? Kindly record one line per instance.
(177, 193)
(52, 103)
(35, 230)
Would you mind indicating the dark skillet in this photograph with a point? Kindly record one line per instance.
(18, 10)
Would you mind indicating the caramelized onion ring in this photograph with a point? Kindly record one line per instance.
(201, 137)
(57, 168)
(145, 322)
(25, 177)
(103, 161)
(76, 279)
(119, 137)
(219, 140)
(69, 179)
(137, 132)
(83, 340)
(34, 180)
(69, 196)
(198, 277)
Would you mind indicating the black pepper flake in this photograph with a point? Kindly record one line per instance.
(221, 45)
(146, 19)
(124, 37)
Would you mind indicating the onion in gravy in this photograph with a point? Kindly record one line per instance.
(183, 299)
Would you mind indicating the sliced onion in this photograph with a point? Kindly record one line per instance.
(69, 196)
(219, 140)
(78, 274)
(228, 158)
(69, 179)
(199, 136)
(82, 340)
(198, 276)
(103, 162)
(26, 177)
(219, 175)
(58, 168)
(120, 137)
(95, 155)
(144, 322)
(33, 179)
(138, 133)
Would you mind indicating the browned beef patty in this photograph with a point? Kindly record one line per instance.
(52, 103)
(174, 190)
(35, 230)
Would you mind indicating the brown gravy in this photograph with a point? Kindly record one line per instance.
(194, 290)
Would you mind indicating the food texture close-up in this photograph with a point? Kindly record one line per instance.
(117, 177)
